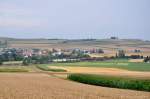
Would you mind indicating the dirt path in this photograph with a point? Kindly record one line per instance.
(43, 86)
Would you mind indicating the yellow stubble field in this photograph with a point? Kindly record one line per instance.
(43, 86)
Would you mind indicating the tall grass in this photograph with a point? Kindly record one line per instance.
(114, 82)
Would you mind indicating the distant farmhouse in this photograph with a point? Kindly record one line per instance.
(114, 38)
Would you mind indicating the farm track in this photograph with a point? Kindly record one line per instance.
(43, 86)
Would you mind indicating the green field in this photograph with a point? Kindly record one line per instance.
(121, 64)
(14, 69)
(12, 63)
(110, 81)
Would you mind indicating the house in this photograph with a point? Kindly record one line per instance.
(147, 59)
(27, 52)
(56, 53)
(96, 50)
(114, 38)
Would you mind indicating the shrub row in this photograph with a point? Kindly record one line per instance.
(45, 68)
(113, 82)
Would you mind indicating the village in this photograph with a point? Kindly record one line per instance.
(55, 55)
(43, 56)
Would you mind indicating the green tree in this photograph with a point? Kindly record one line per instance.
(121, 54)
(1, 61)
(26, 61)
(147, 59)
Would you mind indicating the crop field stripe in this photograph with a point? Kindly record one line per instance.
(109, 64)
(45, 68)
(110, 81)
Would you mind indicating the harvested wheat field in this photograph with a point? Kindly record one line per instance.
(43, 86)
(136, 60)
(104, 71)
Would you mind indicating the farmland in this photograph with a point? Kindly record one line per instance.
(45, 68)
(20, 68)
(13, 69)
(49, 81)
(110, 81)
(74, 49)
(43, 86)
(121, 64)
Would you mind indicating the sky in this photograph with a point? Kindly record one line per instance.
(75, 19)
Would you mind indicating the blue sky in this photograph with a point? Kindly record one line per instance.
(75, 18)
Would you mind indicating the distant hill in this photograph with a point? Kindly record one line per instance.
(75, 43)
(5, 38)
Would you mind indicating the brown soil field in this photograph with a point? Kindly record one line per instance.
(141, 54)
(43, 86)
(103, 55)
(104, 71)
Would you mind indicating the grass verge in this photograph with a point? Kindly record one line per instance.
(45, 68)
(13, 70)
(113, 82)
